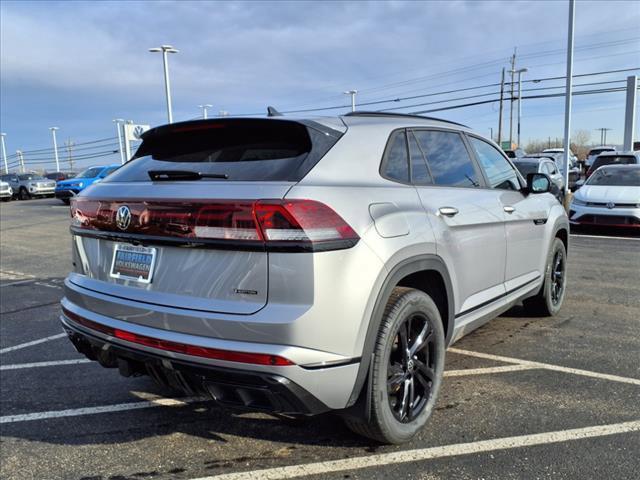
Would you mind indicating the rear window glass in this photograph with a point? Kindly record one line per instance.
(241, 149)
(395, 164)
(90, 172)
(614, 160)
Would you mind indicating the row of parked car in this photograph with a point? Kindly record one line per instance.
(608, 195)
(62, 185)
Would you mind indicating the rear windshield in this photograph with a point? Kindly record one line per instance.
(614, 160)
(597, 151)
(526, 167)
(31, 176)
(240, 149)
(617, 177)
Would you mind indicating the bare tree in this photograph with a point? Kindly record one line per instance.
(579, 145)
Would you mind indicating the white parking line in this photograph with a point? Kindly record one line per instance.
(483, 371)
(19, 282)
(577, 235)
(422, 454)
(54, 363)
(548, 366)
(34, 342)
(118, 407)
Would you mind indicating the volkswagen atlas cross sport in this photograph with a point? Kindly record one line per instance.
(300, 266)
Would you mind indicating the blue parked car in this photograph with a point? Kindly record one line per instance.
(65, 189)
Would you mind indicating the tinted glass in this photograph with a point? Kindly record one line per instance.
(90, 172)
(419, 172)
(498, 171)
(240, 149)
(614, 160)
(616, 177)
(526, 168)
(448, 159)
(109, 171)
(30, 176)
(552, 168)
(396, 158)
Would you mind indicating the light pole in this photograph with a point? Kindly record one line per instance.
(4, 152)
(204, 110)
(119, 122)
(165, 49)
(567, 98)
(353, 98)
(21, 158)
(520, 72)
(55, 147)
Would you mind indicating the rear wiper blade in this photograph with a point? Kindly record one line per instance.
(176, 175)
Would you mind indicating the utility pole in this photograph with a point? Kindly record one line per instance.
(513, 71)
(119, 122)
(603, 135)
(630, 112)
(165, 49)
(501, 102)
(21, 158)
(353, 98)
(567, 99)
(4, 152)
(204, 110)
(69, 144)
(55, 147)
(491, 130)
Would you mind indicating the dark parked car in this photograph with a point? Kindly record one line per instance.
(58, 176)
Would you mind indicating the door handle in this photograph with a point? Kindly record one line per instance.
(448, 211)
(509, 209)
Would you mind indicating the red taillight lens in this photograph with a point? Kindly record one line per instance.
(284, 225)
(205, 352)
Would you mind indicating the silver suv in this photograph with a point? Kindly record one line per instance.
(309, 265)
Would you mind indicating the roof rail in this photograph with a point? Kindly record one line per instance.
(392, 114)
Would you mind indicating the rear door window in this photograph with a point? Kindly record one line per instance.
(420, 174)
(238, 149)
(447, 158)
(498, 170)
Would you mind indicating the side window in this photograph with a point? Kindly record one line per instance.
(447, 158)
(552, 168)
(498, 170)
(395, 164)
(544, 167)
(420, 174)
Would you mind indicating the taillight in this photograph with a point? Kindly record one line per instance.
(170, 346)
(281, 225)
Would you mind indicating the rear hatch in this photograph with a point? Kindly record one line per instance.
(190, 220)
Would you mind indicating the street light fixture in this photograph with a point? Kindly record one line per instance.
(165, 49)
(204, 110)
(353, 98)
(55, 147)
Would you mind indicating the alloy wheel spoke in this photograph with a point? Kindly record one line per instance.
(405, 400)
(425, 371)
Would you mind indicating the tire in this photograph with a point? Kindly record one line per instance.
(548, 300)
(23, 194)
(66, 201)
(412, 312)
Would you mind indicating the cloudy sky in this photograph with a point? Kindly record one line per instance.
(78, 65)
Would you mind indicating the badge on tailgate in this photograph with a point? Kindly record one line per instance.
(133, 263)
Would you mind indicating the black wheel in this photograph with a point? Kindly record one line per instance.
(407, 368)
(66, 201)
(23, 194)
(548, 300)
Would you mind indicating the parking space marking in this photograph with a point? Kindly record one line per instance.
(385, 459)
(577, 235)
(33, 342)
(19, 282)
(483, 371)
(548, 366)
(152, 401)
(55, 363)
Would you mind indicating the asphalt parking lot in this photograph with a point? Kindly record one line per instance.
(523, 397)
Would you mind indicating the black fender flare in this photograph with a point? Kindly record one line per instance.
(402, 269)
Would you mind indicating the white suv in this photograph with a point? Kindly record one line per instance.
(308, 265)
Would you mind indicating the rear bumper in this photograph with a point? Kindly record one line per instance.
(228, 387)
(291, 389)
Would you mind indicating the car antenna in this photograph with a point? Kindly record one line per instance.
(272, 112)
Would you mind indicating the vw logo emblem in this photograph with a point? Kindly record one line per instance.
(123, 217)
(138, 131)
(610, 205)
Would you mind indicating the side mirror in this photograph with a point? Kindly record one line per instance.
(538, 183)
